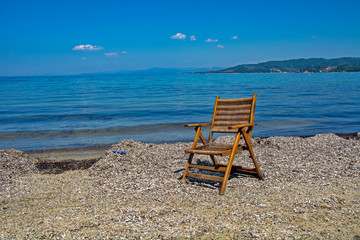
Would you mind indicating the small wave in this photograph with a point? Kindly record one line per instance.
(123, 130)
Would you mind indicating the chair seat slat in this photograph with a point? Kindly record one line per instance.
(214, 148)
(228, 123)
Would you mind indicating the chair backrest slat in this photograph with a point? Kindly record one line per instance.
(231, 112)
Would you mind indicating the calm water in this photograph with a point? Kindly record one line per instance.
(71, 111)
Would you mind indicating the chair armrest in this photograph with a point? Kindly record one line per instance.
(197, 125)
(243, 125)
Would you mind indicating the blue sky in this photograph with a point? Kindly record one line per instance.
(70, 37)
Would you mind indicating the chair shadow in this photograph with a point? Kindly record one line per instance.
(208, 183)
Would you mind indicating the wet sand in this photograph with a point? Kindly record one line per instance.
(79, 153)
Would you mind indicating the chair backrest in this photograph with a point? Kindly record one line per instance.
(231, 112)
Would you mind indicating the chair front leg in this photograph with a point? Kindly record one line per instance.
(196, 140)
(229, 165)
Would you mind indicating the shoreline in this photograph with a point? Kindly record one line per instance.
(97, 151)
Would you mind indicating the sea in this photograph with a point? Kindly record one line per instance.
(52, 112)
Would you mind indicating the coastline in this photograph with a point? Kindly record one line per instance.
(95, 152)
(310, 190)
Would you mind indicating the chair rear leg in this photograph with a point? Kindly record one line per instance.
(187, 166)
(214, 160)
(252, 155)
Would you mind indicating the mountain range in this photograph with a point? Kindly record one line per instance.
(302, 65)
(151, 71)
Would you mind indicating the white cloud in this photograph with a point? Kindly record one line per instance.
(192, 38)
(211, 40)
(220, 46)
(87, 47)
(234, 37)
(124, 52)
(83, 58)
(178, 36)
(111, 54)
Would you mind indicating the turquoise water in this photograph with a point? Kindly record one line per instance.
(71, 111)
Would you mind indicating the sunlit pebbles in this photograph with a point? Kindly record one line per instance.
(310, 190)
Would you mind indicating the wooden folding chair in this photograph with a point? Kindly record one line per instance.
(230, 116)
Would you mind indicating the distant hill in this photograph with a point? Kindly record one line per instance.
(302, 65)
(151, 71)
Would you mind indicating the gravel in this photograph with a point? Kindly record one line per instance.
(14, 164)
(310, 190)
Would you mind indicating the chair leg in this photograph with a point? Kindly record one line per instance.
(247, 141)
(187, 166)
(214, 160)
(229, 165)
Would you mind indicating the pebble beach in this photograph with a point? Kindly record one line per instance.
(310, 190)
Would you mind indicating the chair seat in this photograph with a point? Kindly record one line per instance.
(214, 149)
